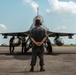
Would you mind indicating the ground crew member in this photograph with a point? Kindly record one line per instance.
(38, 37)
(23, 45)
(11, 46)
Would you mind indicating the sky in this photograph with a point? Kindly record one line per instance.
(58, 15)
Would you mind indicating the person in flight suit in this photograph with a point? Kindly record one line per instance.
(38, 37)
(11, 46)
(23, 45)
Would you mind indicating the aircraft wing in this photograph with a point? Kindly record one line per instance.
(16, 34)
(57, 34)
(27, 33)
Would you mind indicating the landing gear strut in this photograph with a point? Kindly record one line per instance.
(49, 47)
(29, 46)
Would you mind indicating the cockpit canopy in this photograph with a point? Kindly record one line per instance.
(38, 18)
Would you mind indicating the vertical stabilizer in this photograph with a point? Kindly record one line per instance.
(37, 11)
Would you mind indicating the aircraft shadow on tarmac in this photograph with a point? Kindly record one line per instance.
(56, 54)
(30, 53)
(17, 55)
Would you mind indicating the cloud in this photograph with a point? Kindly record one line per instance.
(60, 28)
(48, 10)
(2, 27)
(62, 7)
(33, 4)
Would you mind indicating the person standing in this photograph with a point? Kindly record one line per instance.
(11, 46)
(23, 45)
(38, 36)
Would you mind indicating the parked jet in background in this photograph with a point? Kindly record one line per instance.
(58, 41)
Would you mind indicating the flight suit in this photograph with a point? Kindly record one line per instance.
(37, 33)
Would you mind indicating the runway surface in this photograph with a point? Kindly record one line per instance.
(61, 62)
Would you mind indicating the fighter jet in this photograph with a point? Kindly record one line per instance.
(58, 41)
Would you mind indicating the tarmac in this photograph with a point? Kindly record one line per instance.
(61, 62)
